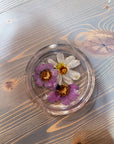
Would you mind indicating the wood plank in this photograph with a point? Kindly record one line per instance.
(25, 27)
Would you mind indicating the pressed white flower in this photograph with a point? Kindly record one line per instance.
(64, 67)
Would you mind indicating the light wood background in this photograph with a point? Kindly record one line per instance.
(28, 25)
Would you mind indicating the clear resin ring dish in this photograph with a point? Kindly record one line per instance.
(60, 78)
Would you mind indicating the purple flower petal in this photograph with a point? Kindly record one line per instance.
(72, 90)
(57, 98)
(39, 82)
(54, 72)
(35, 76)
(73, 96)
(40, 68)
(52, 97)
(54, 85)
(49, 66)
(65, 100)
(53, 79)
(74, 86)
(48, 84)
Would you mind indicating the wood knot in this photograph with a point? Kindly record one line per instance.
(10, 84)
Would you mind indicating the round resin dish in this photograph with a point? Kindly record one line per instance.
(85, 83)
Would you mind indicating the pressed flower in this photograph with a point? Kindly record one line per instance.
(64, 67)
(65, 93)
(45, 74)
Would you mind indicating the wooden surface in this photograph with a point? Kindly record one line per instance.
(28, 25)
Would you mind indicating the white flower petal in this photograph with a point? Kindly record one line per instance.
(74, 63)
(69, 59)
(60, 58)
(74, 74)
(59, 79)
(67, 79)
(52, 62)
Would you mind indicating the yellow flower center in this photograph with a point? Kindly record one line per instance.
(46, 75)
(63, 90)
(62, 68)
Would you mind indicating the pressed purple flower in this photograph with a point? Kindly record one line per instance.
(65, 93)
(45, 75)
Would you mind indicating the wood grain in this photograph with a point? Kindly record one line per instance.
(9, 4)
(25, 27)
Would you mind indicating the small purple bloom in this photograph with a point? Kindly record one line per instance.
(64, 93)
(46, 75)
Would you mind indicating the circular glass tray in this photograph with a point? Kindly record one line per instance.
(39, 94)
